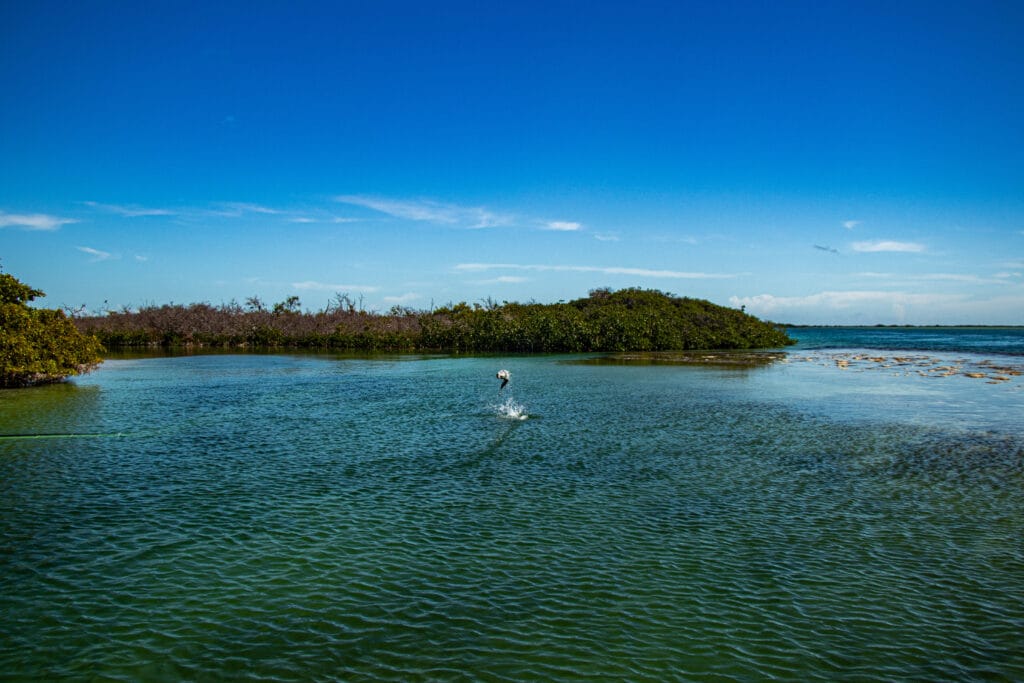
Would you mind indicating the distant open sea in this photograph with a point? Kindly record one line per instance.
(851, 508)
(983, 340)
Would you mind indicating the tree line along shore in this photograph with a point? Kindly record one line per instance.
(40, 345)
(605, 320)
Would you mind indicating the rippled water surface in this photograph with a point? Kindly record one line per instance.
(323, 518)
(1001, 340)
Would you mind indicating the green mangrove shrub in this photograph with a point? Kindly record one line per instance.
(39, 345)
(626, 320)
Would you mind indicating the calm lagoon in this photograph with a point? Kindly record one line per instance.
(834, 512)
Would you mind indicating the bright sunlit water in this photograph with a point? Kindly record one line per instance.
(306, 517)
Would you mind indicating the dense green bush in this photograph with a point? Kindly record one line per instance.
(39, 345)
(626, 320)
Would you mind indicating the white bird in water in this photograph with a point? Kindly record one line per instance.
(504, 376)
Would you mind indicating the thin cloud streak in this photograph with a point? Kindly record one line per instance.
(859, 307)
(218, 209)
(96, 254)
(887, 246)
(235, 210)
(245, 207)
(430, 211)
(402, 299)
(131, 210)
(563, 226)
(606, 270)
(33, 221)
(837, 300)
(503, 280)
(937, 277)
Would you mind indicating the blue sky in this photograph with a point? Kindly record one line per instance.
(814, 162)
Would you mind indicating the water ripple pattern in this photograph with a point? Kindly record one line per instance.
(322, 518)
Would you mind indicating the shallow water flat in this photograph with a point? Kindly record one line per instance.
(327, 518)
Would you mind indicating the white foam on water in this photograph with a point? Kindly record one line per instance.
(511, 410)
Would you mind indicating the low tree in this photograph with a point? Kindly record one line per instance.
(39, 345)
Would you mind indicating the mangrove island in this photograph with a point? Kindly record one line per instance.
(623, 320)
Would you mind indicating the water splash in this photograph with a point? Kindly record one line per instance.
(512, 410)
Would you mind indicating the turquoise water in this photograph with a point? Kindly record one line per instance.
(999, 340)
(327, 518)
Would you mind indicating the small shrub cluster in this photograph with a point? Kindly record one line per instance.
(626, 320)
(39, 345)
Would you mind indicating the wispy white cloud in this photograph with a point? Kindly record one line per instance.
(503, 280)
(130, 210)
(606, 237)
(962, 278)
(887, 246)
(606, 270)
(431, 211)
(311, 285)
(96, 254)
(318, 217)
(454, 215)
(245, 207)
(563, 226)
(33, 221)
(238, 209)
(956, 277)
(837, 300)
(216, 209)
(874, 306)
(850, 225)
(403, 298)
(688, 239)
